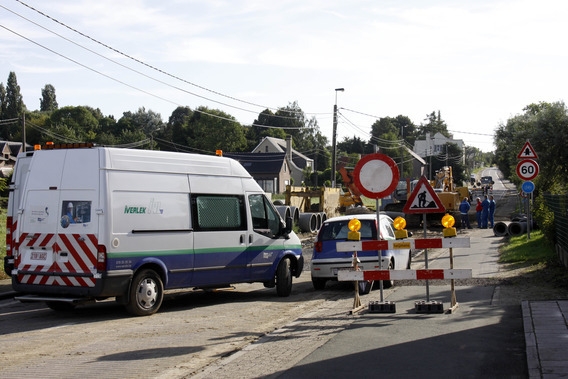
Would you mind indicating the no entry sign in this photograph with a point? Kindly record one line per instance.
(376, 176)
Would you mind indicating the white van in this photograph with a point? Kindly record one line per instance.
(98, 222)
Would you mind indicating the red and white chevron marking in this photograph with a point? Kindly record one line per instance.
(418, 243)
(350, 275)
(81, 258)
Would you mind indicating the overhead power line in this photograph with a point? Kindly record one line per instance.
(161, 71)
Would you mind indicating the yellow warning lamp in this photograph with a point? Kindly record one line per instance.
(448, 222)
(219, 153)
(399, 224)
(354, 226)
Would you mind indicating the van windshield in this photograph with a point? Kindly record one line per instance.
(337, 230)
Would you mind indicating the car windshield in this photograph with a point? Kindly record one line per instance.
(337, 230)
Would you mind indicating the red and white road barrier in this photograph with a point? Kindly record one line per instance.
(418, 243)
(424, 274)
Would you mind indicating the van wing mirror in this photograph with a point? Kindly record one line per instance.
(288, 227)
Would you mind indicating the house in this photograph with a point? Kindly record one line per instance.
(270, 170)
(274, 164)
(431, 146)
(10, 151)
(434, 145)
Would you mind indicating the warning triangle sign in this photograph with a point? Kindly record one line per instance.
(423, 199)
(527, 152)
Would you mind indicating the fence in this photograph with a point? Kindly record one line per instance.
(558, 204)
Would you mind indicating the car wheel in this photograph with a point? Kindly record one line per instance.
(319, 283)
(365, 286)
(389, 283)
(146, 293)
(284, 278)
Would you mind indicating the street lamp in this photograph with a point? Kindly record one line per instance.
(333, 156)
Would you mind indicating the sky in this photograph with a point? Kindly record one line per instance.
(478, 63)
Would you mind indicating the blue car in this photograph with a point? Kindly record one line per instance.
(326, 260)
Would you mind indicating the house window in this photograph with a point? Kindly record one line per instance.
(266, 148)
(267, 185)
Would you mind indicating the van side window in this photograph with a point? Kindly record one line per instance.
(218, 212)
(264, 217)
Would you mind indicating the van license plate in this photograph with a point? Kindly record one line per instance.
(38, 256)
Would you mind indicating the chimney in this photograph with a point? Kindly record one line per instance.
(289, 148)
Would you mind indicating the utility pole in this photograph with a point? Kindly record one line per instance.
(333, 156)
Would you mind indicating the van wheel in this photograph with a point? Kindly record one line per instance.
(60, 306)
(284, 278)
(389, 283)
(146, 293)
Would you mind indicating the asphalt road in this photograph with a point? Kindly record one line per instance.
(248, 332)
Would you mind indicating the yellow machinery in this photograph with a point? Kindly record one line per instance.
(449, 195)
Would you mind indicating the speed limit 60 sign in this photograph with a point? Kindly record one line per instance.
(527, 169)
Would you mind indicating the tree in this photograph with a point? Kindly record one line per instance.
(177, 128)
(48, 102)
(81, 120)
(545, 125)
(434, 124)
(354, 145)
(15, 107)
(3, 103)
(257, 132)
(145, 121)
(212, 129)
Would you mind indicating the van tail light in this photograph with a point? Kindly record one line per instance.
(9, 236)
(101, 258)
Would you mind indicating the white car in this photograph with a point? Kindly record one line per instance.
(326, 260)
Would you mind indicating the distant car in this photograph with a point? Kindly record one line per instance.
(326, 260)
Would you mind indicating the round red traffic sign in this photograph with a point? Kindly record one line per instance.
(527, 169)
(376, 176)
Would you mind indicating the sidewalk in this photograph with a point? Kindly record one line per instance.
(546, 337)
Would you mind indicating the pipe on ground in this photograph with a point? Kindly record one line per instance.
(516, 228)
(307, 222)
(500, 229)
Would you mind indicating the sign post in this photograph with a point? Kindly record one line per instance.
(376, 176)
(424, 200)
(527, 169)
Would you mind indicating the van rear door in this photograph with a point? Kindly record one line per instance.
(58, 237)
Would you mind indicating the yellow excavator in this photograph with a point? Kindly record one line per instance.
(450, 195)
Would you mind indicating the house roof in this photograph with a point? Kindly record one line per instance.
(280, 145)
(259, 163)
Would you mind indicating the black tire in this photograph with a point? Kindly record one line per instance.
(365, 286)
(60, 306)
(146, 293)
(389, 283)
(284, 278)
(319, 283)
